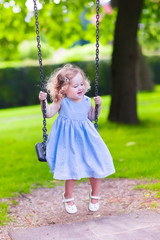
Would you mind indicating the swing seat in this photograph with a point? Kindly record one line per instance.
(40, 152)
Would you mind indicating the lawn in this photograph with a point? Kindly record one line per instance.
(135, 148)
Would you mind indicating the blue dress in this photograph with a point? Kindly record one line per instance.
(75, 149)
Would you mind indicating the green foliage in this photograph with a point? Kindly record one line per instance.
(20, 86)
(67, 22)
(3, 213)
(77, 53)
(135, 149)
(12, 29)
(155, 67)
(28, 50)
(149, 33)
(73, 22)
(62, 55)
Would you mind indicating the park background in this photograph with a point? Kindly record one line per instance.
(67, 30)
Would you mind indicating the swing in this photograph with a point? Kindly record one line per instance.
(41, 147)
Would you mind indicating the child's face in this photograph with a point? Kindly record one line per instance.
(76, 88)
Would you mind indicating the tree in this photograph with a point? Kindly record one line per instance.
(12, 28)
(60, 23)
(149, 32)
(123, 69)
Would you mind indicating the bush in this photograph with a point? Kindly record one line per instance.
(20, 86)
(154, 63)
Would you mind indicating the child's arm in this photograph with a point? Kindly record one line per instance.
(91, 114)
(51, 109)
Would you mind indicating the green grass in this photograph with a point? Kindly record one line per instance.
(3, 213)
(135, 148)
(20, 129)
(153, 186)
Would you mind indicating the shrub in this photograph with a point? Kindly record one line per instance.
(20, 86)
(154, 63)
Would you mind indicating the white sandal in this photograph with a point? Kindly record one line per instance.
(69, 208)
(93, 207)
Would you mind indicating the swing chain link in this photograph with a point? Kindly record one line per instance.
(97, 62)
(45, 136)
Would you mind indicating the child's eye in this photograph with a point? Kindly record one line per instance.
(75, 86)
(82, 84)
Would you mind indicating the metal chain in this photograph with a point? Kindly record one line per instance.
(97, 62)
(45, 136)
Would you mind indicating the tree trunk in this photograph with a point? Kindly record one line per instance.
(123, 69)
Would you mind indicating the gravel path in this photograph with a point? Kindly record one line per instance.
(44, 206)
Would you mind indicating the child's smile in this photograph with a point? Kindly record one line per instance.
(80, 93)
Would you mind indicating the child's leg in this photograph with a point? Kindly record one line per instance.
(69, 186)
(95, 185)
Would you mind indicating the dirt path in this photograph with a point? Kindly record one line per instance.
(44, 206)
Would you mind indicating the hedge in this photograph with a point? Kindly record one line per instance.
(154, 63)
(20, 86)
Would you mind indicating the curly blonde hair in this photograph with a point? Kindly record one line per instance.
(58, 82)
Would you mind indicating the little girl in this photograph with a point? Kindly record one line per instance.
(75, 149)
